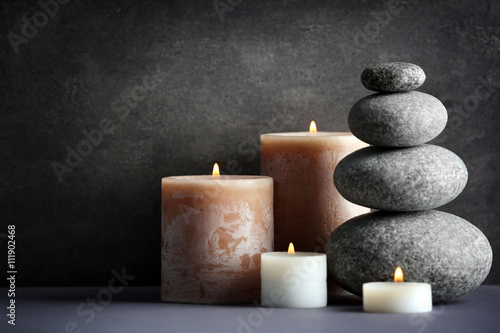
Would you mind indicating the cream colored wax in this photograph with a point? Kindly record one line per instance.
(295, 280)
(307, 206)
(397, 297)
(214, 230)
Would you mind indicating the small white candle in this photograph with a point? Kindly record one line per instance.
(397, 296)
(293, 279)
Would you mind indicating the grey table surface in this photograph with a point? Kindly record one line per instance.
(139, 309)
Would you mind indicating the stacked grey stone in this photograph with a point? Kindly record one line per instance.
(405, 179)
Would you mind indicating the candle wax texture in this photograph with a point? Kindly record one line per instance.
(293, 280)
(397, 297)
(213, 232)
(307, 206)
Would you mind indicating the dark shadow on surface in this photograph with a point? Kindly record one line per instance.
(132, 295)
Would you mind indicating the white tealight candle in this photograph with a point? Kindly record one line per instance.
(397, 296)
(293, 279)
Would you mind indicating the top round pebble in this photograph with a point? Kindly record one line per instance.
(393, 77)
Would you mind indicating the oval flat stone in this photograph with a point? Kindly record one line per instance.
(393, 77)
(401, 179)
(430, 246)
(398, 120)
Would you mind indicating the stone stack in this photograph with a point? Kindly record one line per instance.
(405, 179)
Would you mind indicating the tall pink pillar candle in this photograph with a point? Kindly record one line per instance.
(213, 232)
(307, 206)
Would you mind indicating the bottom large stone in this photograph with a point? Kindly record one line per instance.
(430, 246)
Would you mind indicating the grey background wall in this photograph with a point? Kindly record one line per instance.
(175, 86)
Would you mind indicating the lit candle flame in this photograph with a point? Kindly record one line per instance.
(313, 128)
(215, 172)
(291, 249)
(398, 275)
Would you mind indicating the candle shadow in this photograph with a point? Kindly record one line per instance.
(448, 303)
(355, 304)
(81, 294)
(348, 303)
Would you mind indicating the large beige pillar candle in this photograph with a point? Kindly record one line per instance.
(307, 206)
(213, 232)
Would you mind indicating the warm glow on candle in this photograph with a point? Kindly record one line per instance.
(215, 172)
(312, 127)
(291, 249)
(398, 275)
(397, 297)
